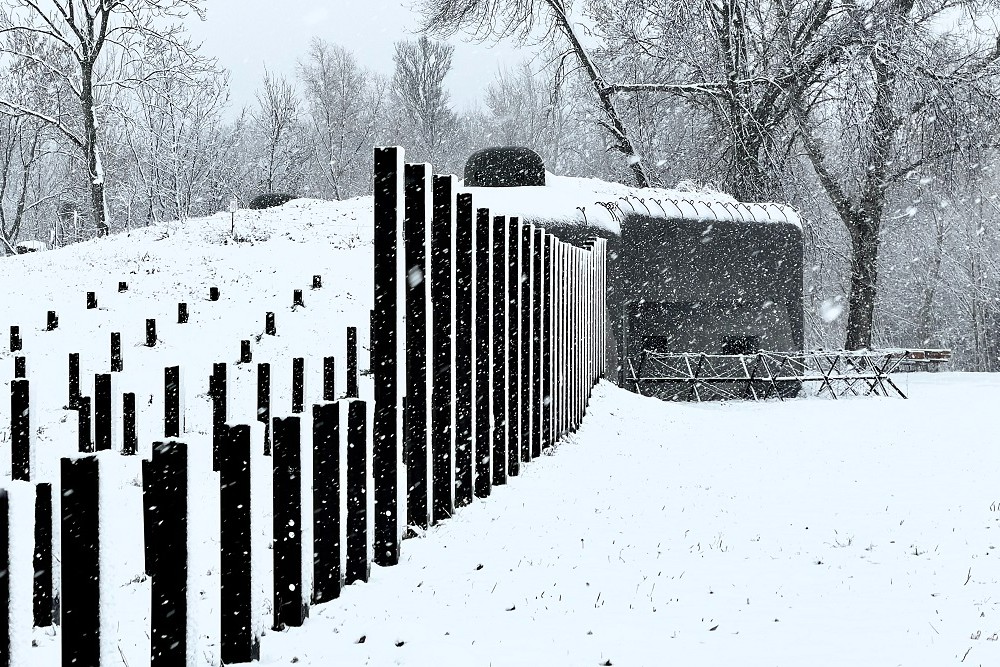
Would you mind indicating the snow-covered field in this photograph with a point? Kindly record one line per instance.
(805, 532)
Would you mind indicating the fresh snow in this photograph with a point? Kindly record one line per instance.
(808, 531)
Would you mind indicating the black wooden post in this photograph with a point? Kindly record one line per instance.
(513, 346)
(20, 431)
(547, 338)
(130, 443)
(537, 292)
(442, 401)
(290, 607)
(80, 587)
(172, 402)
(213, 293)
(269, 326)
(102, 412)
(498, 323)
(352, 362)
(483, 281)
(51, 321)
(74, 380)
(20, 368)
(329, 375)
(418, 207)
(218, 389)
(182, 313)
(357, 493)
(122, 286)
(42, 609)
(83, 408)
(317, 282)
(150, 332)
(298, 385)
(524, 339)
(239, 642)
(116, 352)
(264, 403)
(246, 356)
(464, 379)
(15, 339)
(165, 505)
(5, 602)
(91, 300)
(327, 574)
(297, 301)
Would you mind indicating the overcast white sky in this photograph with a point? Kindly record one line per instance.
(246, 35)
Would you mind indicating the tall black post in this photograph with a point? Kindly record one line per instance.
(513, 346)
(116, 352)
(357, 493)
(238, 640)
(15, 339)
(498, 316)
(525, 338)
(80, 600)
(352, 362)
(218, 389)
(547, 338)
(418, 193)
(327, 574)
(20, 431)
(464, 380)
(329, 375)
(537, 293)
(42, 593)
(102, 412)
(172, 402)
(290, 608)
(130, 443)
(298, 385)
(165, 505)
(74, 380)
(442, 401)
(83, 409)
(264, 403)
(483, 280)
(5, 601)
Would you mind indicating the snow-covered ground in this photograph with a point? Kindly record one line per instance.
(804, 532)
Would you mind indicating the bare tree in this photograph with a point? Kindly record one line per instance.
(419, 92)
(277, 123)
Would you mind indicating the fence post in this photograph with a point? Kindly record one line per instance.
(352, 362)
(86, 443)
(150, 332)
(297, 300)
(298, 385)
(464, 378)
(513, 346)
(74, 380)
(418, 207)
(357, 492)
(122, 286)
(483, 350)
(270, 328)
(81, 545)
(20, 430)
(130, 442)
(20, 368)
(317, 282)
(239, 642)
(213, 294)
(6, 604)
(102, 412)
(15, 339)
(537, 291)
(290, 607)
(498, 333)
(91, 300)
(547, 337)
(51, 321)
(116, 352)
(246, 356)
(182, 313)
(172, 402)
(42, 594)
(264, 403)
(218, 390)
(442, 399)
(329, 375)
(525, 338)
(165, 504)
(326, 484)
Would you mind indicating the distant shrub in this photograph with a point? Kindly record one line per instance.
(504, 167)
(270, 199)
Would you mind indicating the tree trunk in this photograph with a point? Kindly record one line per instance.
(95, 170)
(864, 281)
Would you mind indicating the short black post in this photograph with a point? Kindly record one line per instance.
(498, 316)
(239, 643)
(329, 375)
(217, 387)
(74, 379)
(130, 443)
(213, 293)
(182, 313)
(165, 503)
(80, 586)
(150, 332)
(15, 339)
(269, 327)
(317, 282)
(20, 368)
(298, 385)
(91, 300)
(52, 321)
(246, 356)
(83, 409)
(20, 431)
(5, 606)
(264, 403)
(116, 352)
(122, 286)
(357, 493)
(352, 362)
(290, 607)
(102, 412)
(297, 301)
(442, 400)
(481, 354)
(42, 594)
(327, 574)
(172, 402)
